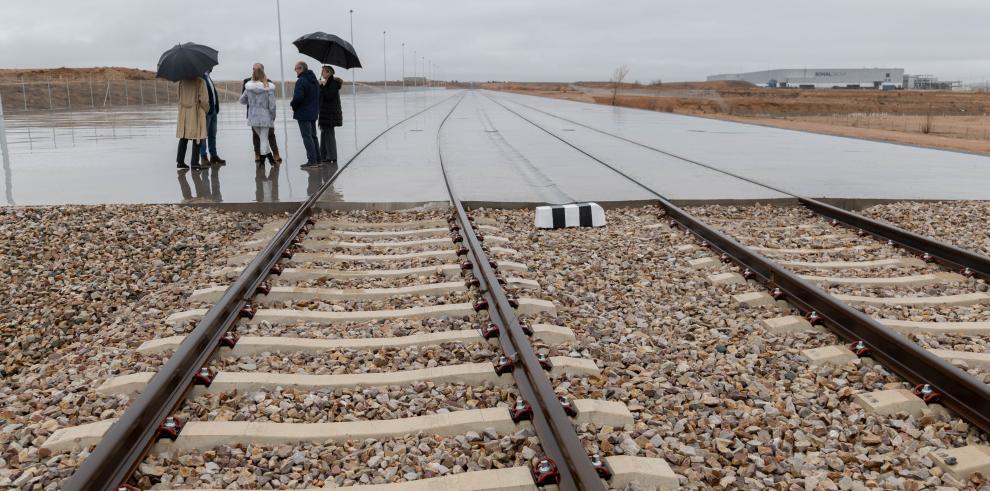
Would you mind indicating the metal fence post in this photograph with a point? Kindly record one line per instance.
(8, 184)
(141, 89)
(127, 100)
(155, 85)
(68, 97)
(92, 98)
(107, 96)
(24, 91)
(50, 106)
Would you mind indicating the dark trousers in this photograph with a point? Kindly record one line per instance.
(211, 136)
(328, 144)
(271, 143)
(181, 155)
(308, 131)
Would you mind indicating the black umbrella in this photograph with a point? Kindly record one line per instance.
(187, 60)
(328, 49)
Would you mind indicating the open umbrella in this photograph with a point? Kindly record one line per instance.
(328, 49)
(187, 60)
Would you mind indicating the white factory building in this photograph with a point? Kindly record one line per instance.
(822, 78)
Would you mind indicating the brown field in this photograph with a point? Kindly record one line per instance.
(938, 119)
(97, 73)
(61, 89)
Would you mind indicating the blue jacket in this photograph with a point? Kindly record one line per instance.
(211, 89)
(306, 98)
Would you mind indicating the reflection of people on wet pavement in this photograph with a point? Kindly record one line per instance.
(206, 182)
(317, 177)
(266, 184)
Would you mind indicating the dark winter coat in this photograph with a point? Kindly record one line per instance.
(330, 114)
(306, 98)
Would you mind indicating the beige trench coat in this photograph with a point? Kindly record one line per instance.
(194, 101)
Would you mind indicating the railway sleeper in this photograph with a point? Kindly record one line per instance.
(475, 374)
(202, 435)
(322, 257)
(252, 345)
(645, 471)
(291, 293)
(526, 306)
(311, 274)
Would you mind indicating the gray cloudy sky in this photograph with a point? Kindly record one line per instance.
(558, 40)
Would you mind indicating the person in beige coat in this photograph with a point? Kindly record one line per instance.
(194, 101)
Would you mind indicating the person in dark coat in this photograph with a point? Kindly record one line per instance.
(254, 136)
(211, 125)
(330, 114)
(306, 110)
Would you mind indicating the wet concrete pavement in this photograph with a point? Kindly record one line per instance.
(491, 154)
(127, 155)
(803, 163)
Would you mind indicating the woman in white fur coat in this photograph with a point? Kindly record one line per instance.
(259, 96)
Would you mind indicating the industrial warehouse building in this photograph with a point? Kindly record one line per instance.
(822, 78)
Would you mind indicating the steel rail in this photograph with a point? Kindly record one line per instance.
(551, 423)
(957, 390)
(125, 444)
(947, 254)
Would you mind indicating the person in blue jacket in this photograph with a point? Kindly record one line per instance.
(306, 110)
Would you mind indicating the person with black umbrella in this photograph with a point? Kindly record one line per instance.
(306, 110)
(330, 115)
(186, 63)
(329, 50)
(193, 104)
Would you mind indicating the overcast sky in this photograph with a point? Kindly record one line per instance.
(532, 40)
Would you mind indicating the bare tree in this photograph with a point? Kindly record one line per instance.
(617, 77)
(926, 125)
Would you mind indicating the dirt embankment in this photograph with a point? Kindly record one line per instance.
(94, 73)
(939, 119)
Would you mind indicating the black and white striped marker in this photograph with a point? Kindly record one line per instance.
(576, 215)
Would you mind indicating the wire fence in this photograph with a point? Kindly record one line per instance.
(20, 96)
(69, 95)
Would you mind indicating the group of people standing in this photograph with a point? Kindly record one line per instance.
(313, 103)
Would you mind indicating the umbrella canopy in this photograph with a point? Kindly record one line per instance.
(187, 60)
(328, 49)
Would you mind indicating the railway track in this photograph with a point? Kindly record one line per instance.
(355, 301)
(349, 285)
(871, 312)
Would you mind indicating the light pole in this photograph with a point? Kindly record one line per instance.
(414, 68)
(384, 64)
(281, 68)
(423, 61)
(353, 82)
(403, 67)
